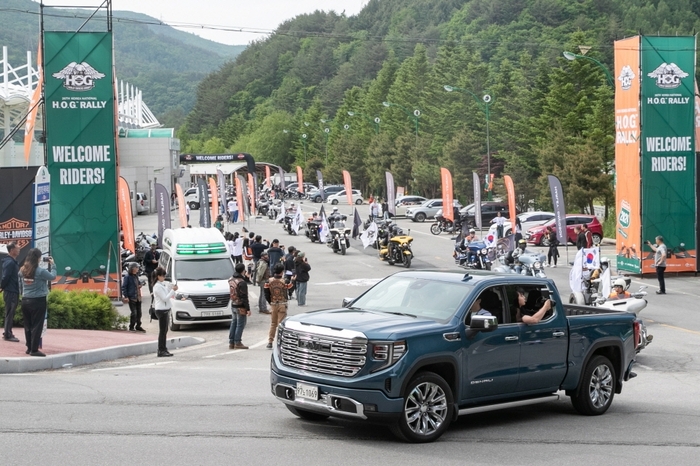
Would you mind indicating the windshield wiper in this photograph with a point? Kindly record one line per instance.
(401, 314)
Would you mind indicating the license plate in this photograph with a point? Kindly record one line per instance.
(212, 313)
(309, 392)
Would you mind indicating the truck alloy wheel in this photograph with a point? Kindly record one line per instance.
(427, 409)
(597, 389)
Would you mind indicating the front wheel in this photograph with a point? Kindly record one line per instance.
(544, 241)
(173, 326)
(435, 229)
(407, 260)
(420, 217)
(427, 410)
(194, 205)
(308, 415)
(595, 394)
(358, 202)
(343, 249)
(334, 202)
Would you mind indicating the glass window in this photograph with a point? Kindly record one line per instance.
(204, 269)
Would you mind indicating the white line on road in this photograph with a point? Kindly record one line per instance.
(136, 366)
(257, 345)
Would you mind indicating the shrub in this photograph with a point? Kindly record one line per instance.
(76, 309)
(610, 224)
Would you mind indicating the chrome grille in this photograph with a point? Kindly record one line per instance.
(203, 301)
(323, 354)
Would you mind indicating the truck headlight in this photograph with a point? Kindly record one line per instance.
(182, 296)
(388, 353)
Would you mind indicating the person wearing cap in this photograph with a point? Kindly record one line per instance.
(619, 290)
(301, 277)
(261, 277)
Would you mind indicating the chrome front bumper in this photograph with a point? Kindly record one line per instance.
(332, 405)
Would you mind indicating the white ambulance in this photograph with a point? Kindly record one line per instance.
(197, 262)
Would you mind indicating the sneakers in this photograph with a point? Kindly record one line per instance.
(660, 292)
(140, 329)
(269, 345)
(554, 266)
(240, 346)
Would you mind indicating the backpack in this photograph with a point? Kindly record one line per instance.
(233, 290)
(276, 291)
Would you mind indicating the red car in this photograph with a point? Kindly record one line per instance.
(535, 235)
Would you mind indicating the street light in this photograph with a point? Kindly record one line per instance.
(483, 104)
(572, 56)
(374, 122)
(302, 138)
(415, 115)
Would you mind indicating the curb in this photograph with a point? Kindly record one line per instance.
(80, 358)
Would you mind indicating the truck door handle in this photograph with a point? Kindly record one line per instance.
(558, 334)
(512, 338)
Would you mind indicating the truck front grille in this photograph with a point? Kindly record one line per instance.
(323, 354)
(211, 301)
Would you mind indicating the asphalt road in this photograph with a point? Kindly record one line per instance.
(210, 405)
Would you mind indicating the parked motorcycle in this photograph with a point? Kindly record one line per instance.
(339, 234)
(397, 247)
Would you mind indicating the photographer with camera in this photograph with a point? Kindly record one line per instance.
(532, 307)
(34, 287)
(660, 253)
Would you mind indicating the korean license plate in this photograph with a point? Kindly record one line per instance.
(212, 313)
(309, 392)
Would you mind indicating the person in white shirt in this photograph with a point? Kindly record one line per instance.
(162, 294)
(237, 249)
(233, 211)
(499, 221)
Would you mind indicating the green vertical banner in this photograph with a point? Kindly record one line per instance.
(79, 100)
(668, 150)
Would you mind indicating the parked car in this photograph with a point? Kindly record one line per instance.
(308, 187)
(410, 353)
(315, 195)
(340, 197)
(428, 209)
(535, 235)
(143, 205)
(489, 211)
(527, 221)
(192, 198)
(409, 200)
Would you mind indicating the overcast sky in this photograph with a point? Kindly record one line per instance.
(247, 14)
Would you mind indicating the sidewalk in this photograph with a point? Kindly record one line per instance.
(66, 348)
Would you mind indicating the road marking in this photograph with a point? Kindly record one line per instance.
(257, 345)
(642, 366)
(355, 282)
(136, 366)
(681, 329)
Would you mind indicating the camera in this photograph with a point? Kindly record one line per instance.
(45, 259)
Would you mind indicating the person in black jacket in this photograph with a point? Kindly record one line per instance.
(240, 307)
(553, 252)
(301, 274)
(131, 293)
(580, 237)
(10, 289)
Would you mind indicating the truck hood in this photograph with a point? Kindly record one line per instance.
(373, 324)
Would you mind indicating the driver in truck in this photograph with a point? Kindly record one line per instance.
(526, 311)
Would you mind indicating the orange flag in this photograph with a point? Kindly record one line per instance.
(300, 180)
(510, 189)
(268, 181)
(125, 216)
(239, 199)
(348, 185)
(447, 195)
(214, 196)
(181, 206)
(251, 191)
(34, 106)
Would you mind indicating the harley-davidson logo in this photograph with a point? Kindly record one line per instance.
(17, 231)
(78, 76)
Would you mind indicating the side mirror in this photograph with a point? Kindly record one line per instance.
(347, 302)
(481, 324)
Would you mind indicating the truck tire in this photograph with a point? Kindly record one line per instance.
(308, 415)
(428, 409)
(597, 387)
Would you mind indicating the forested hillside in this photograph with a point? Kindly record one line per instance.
(288, 99)
(166, 64)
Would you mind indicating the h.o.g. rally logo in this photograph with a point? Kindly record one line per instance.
(668, 75)
(626, 77)
(78, 76)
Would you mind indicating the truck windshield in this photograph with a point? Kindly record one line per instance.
(203, 269)
(430, 299)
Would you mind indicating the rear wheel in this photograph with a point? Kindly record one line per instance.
(308, 415)
(435, 229)
(427, 411)
(597, 390)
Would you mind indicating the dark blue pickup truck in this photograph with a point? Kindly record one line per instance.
(420, 348)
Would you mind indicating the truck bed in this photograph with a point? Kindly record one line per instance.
(573, 310)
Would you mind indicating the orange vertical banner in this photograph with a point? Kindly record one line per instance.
(181, 206)
(268, 180)
(125, 216)
(348, 185)
(447, 194)
(253, 194)
(239, 199)
(628, 228)
(214, 196)
(510, 190)
(300, 180)
(34, 110)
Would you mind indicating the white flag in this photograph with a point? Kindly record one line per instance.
(605, 283)
(323, 228)
(280, 217)
(576, 274)
(369, 236)
(298, 220)
(591, 258)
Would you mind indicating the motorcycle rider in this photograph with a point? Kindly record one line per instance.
(619, 290)
(519, 251)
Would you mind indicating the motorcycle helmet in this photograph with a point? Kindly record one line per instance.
(471, 230)
(619, 282)
(335, 209)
